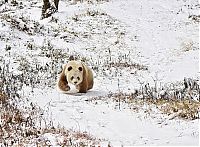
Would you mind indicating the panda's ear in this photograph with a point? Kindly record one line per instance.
(69, 68)
(80, 68)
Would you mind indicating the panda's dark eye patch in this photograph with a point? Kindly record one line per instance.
(78, 78)
(72, 78)
(69, 68)
(80, 68)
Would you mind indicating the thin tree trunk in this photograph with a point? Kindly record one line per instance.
(56, 2)
(48, 9)
(46, 5)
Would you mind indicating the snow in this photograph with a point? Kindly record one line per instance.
(156, 33)
(119, 126)
(161, 32)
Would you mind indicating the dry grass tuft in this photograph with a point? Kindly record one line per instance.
(185, 109)
(178, 102)
(182, 109)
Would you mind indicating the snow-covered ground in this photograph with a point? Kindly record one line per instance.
(164, 33)
(157, 35)
(119, 126)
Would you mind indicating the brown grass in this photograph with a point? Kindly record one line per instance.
(3, 98)
(18, 128)
(184, 109)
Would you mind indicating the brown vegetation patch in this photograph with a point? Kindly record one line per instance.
(185, 109)
(22, 127)
(3, 98)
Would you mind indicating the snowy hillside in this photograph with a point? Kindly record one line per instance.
(145, 59)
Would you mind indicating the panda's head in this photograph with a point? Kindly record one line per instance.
(74, 72)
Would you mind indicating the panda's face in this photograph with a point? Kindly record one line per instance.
(74, 72)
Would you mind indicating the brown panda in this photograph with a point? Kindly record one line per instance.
(78, 74)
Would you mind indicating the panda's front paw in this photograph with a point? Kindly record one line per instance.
(67, 88)
(64, 87)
